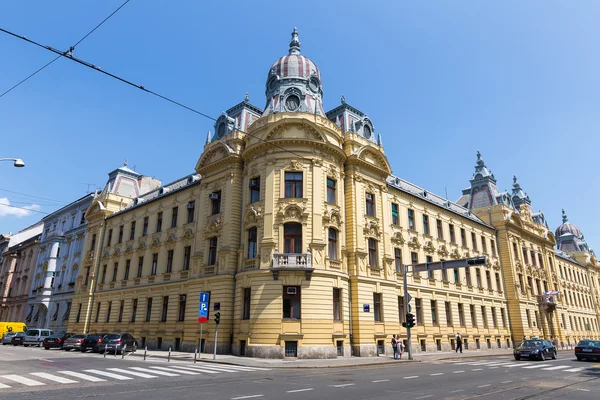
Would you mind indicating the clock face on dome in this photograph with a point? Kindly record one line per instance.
(313, 84)
(367, 131)
(292, 102)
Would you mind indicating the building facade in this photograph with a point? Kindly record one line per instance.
(17, 271)
(58, 265)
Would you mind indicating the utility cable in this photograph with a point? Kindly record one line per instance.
(30, 195)
(24, 208)
(72, 48)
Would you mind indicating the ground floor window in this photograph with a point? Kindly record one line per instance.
(242, 347)
(423, 345)
(340, 348)
(159, 343)
(291, 302)
(291, 349)
(438, 344)
(380, 347)
(177, 344)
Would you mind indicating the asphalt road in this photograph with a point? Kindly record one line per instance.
(33, 373)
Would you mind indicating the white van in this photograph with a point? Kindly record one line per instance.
(35, 337)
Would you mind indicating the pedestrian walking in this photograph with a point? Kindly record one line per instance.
(400, 346)
(395, 346)
(458, 343)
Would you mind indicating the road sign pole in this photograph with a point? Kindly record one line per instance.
(200, 341)
(216, 335)
(406, 310)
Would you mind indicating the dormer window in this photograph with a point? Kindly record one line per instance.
(221, 129)
(367, 131)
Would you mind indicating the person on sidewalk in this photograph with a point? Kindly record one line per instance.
(400, 346)
(395, 346)
(458, 343)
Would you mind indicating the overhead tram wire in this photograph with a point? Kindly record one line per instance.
(24, 208)
(32, 196)
(71, 49)
(69, 56)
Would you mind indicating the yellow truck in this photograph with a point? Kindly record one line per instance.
(6, 327)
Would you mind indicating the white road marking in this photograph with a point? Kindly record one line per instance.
(23, 380)
(51, 377)
(299, 390)
(573, 370)
(234, 367)
(154, 371)
(424, 397)
(457, 390)
(3, 386)
(45, 359)
(108, 374)
(411, 377)
(214, 368)
(208, 371)
(342, 385)
(506, 382)
(82, 376)
(482, 386)
(494, 367)
(247, 397)
(519, 364)
(127, 372)
(381, 380)
(537, 366)
(557, 367)
(179, 371)
(458, 372)
(436, 374)
(477, 369)
(463, 363)
(584, 390)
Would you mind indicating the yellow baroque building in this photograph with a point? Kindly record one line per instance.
(295, 225)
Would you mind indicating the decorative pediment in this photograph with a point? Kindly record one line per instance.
(218, 152)
(106, 254)
(292, 211)
(443, 251)
(372, 229)
(213, 225)
(429, 247)
(141, 245)
(187, 234)
(293, 165)
(455, 254)
(253, 215)
(332, 217)
(332, 171)
(397, 238)
(116, 252)
(300, 130)
(467, 254)
(496, 266)
(155, 241)
(413, 243)
(128, 249)
(171, 238)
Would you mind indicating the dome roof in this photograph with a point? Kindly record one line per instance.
(294, 65)
(567, 228)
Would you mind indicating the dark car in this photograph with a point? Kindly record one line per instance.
(56, 341)
(588, 349)
(535, 349)
(119, 342)
(18, 339)
(92, 342)
(74, 342)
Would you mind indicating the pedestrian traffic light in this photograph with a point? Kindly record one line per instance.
(410, 321)
(217, 317)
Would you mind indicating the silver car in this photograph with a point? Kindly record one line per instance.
(74, 342)
(7, 338)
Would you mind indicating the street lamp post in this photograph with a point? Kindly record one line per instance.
(17, 161)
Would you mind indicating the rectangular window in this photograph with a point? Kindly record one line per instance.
(377, 310)
(332, 244)
(292, 238)
(530, 284)
(373, 253)
(110, 231)
(445, 275)
(121, 308)
(532, 257)
(401, 312)
(174, 214)
(474, 241)
(468, 276)
(461, 314)
(398, 260)
(148, 309)
(170, 254)
(191, 207)
(293, 184)
(104, 268)
(525, 256)
(521, 284)
(182, 301)
(93, 244)
(541, 260)
(456, 276)
(434, 316)
(414, 257)
(528, 318)
(395, 215)
(478, 277)
(483, 244)
(440, 229)
(370, 204)
(331, 183)
(247, 298)
(134, 309)
(503, 316)
(165, 308)
(515, 251)
(429, 259)
(291, 302)
(121, 230)
(159, 219)
(463, 237)
(212, 250)
(187, 252)
(154, 263)
(127, 268)
(494, 320)
(411, 219)
(78, 317)
(140, 266)
(115, 271)
(473, 315)
(488, 280)
(132, 231)
(426, 225)
(448, 306)
(498, 283)
(97, 312)
(145, 226)
(337, 304)
(254, 185)
(493, 246)
(215, 200)
(108, 311)
(452, 234)
(419, 311)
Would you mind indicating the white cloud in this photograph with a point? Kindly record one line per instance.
(6, 211)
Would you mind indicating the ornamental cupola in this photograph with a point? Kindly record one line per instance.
(294, 83)
(483, 191)
(569, 237)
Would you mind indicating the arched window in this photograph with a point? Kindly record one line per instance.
(333, 245)
(252, 240)
(292, 238)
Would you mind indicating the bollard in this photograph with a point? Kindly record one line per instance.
(116, 350)
(145, 350)
(169, 357)
(195, 354)
(105, 350)
(123, 351)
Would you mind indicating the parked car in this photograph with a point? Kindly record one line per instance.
(92, 342)
(588, 349)
(36, 336)
(56, 341)
(538, 349)
(18, 339)
(7, 337)
(74, 342)
(119, 342)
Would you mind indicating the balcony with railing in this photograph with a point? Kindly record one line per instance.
(547, 302)
(292, 262)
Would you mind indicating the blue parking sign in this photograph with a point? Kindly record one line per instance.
(203, 307)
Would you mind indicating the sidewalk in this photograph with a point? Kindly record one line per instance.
(319, 363)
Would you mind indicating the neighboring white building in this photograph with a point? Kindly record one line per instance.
(57, 267)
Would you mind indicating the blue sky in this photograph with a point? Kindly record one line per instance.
(440, 80)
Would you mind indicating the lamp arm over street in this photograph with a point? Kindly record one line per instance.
(17, 161)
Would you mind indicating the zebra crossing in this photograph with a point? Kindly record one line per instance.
(32, 379)
(529, 365)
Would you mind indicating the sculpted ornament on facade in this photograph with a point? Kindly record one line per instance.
(414, 243)
(213, 226)
(429, 247)
(443, 251)
(455, 254)
(397, 238)
(155, 242)
(332, 217)
(372, 229)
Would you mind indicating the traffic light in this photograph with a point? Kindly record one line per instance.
(217, 317)
(410, 321)
(477, 261)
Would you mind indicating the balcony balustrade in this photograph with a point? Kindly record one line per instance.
(292, 262)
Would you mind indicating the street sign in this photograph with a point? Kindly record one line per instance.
(449, 264)
(408, 299)
(203, 307)
(217, 306)
(366, 308)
